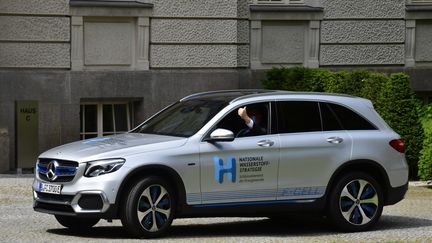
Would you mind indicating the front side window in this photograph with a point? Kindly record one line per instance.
(184, 118)
(258, 113)
(298, 116)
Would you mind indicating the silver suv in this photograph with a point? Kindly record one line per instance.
(316, 152)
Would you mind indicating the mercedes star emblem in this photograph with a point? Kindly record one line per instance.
(51, 174)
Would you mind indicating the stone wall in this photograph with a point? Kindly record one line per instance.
(34, 34)
(4, 149)
(423, 39)
(366, 32)
(207, 33)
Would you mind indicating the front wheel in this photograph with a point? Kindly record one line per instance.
(356, 202)
(148, 209)
(76, 223)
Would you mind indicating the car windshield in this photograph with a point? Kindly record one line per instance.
(184, 118)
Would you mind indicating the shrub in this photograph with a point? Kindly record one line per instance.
(347, 82)
(391, 96)
(372, 85)
(399, 108)
(425, 162)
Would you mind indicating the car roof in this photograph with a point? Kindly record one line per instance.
(240, 94)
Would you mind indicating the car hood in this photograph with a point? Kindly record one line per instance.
(116, 146)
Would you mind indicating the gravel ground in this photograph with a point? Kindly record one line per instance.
(409, 220)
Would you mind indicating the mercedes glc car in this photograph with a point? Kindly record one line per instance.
(230, 153)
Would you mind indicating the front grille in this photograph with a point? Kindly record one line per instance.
(64, 171)
(54, 197)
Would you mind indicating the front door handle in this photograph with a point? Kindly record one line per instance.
(335, 140)
(265, 143)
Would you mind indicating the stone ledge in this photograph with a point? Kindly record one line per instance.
(419, 8)
(285, 8)
(110, 3)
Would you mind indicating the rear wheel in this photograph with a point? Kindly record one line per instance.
(356, 202)
(148, 209)
(76, 223)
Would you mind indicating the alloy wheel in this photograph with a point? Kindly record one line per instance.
(154, 208)
(359, 202)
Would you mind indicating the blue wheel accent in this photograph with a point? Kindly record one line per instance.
(160, 219)
(346, 203)
(369, 209)
(368, 192)
(356, 216)
(154, 192)
(163, 203)
(147, 221)
(353, 188)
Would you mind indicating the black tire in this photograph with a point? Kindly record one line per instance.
(356, 202)
(148, 208)
(76, 223)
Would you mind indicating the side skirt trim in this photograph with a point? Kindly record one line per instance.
(254, 203)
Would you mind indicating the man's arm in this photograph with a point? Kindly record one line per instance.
(243, 115)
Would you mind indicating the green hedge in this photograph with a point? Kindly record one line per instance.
(391, 95)
(425, 162)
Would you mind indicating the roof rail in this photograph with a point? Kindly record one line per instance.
(202, 94)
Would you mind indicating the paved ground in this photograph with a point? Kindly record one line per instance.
(410, 220)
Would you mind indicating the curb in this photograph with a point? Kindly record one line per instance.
(420, 183)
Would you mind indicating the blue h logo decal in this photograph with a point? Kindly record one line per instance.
(221, 169)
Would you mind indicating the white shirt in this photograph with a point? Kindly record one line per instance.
(250, 124)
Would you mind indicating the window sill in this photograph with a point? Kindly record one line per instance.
(284, 8)
(421, 7)
(110, 3)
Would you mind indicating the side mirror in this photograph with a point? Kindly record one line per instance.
(221, 135)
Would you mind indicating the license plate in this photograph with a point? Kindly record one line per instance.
(49, 188)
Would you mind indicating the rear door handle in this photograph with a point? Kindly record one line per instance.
(265, 143)
(335, 140)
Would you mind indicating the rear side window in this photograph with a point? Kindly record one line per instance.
(347, 118)
(298, 116)
(329, 120)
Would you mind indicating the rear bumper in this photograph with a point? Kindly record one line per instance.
(396, 194)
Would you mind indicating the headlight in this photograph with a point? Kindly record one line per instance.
(100, 167)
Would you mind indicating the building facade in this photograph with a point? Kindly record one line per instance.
(75, 69)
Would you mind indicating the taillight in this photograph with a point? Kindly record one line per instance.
(398, 145)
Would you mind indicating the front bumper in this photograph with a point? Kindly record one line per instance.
(83, 196)
(83, 203)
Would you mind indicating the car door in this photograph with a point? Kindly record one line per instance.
(309, 154)
(243, 170)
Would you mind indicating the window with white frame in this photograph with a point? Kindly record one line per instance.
(104, 118)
